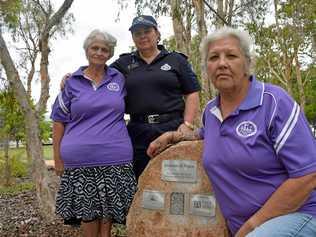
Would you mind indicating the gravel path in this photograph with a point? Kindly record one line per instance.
(19, 216)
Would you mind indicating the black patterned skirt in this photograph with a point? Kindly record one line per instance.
(91, 193)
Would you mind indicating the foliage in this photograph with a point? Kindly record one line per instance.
(28, 35)
(45, 128)
(18, 167)
(158, 9)
(11, 116)
(310, 90)
(119, 230)
(284, 47)
(9, 10)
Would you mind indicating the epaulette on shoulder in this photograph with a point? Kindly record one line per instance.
(182, 54)
(125, 54)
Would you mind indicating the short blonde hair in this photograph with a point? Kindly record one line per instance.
(97, 34)
(243, 37)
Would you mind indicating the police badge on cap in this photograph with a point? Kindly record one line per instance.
(143, 20)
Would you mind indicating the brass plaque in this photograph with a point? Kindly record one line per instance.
(179, 171)
(153, 199)
(202, 205)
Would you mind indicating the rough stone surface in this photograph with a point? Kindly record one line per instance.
(143, 222)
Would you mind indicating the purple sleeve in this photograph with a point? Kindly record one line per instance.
(292, 138)
(201, 129)
(61, 107)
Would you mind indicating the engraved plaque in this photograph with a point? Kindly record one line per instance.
(153, 199)
(177, 203)
(179, 170)
(202, 205)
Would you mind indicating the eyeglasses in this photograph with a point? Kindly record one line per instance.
(141, 32)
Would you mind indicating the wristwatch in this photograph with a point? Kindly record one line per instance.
(189, 125)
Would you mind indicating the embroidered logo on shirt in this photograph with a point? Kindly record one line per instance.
(113, 86)
(246, 129)
(165, 67)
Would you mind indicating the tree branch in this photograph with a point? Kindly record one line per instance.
(13, 75)
(56, 18)
(213, 10)
(44, 48)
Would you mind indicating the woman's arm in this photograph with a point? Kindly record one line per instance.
(288, 198)
(191, 108)
(58, 133)
(169, 138)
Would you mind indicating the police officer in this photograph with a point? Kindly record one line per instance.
(162, 89)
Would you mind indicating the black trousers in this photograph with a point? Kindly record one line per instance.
(142, 134)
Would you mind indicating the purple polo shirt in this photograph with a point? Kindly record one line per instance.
(95, 131)
(265, 141)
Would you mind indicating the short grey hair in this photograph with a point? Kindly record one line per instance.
(96, 34)
(242, 36)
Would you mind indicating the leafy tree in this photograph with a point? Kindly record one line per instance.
(310, 93)
(9, 11)
(284, 47)
(12, 124)
(46, 129)
(48, 23)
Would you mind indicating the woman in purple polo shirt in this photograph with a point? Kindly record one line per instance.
(259, 152)
(92, 148)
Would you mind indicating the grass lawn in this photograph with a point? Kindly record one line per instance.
(20, 153)
(48, 152)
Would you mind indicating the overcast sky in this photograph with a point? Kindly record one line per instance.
(68, 54)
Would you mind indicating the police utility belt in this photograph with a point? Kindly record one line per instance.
(156, 118)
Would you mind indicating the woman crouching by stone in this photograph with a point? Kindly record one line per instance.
(92, 148)
(259, 152)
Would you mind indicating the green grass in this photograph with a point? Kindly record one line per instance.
(19, 169)
(20, 153)
(48, 152)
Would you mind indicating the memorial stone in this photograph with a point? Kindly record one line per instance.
(175, 197)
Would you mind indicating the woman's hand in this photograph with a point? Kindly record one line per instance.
(59, 166)
(184, 128)
(159, 144)
(63, 80)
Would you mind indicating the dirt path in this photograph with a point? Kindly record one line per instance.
(19, 216)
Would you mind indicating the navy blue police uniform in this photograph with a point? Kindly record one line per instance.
(154, 98)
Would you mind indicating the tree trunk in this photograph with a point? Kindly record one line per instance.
(39, 169)
(44, 194)
(220, 10)
(300, 84)
(40, 177)
(30, 79)
(28, 151)
(41, 105)
(182, 42)
(229, 13)
(7, 170)
(208, 90)
(287, 74)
